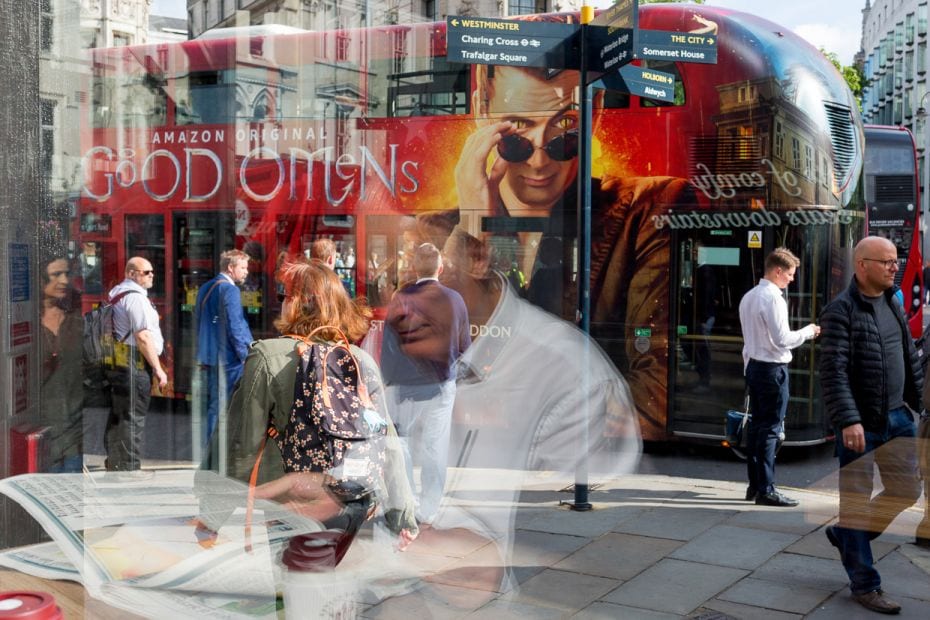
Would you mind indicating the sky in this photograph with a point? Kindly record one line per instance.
(835, 25)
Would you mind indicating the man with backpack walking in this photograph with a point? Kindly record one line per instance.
(139, 342)
(223, 335)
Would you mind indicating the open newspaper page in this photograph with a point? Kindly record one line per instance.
(166, 541)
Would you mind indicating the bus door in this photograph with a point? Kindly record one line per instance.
(200, 237)
(712, 270)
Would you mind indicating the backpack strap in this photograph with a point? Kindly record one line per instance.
(115, 300)
(305, 341)
(206, 297)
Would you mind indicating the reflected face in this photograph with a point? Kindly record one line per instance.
(239, 270)
(423, 324)
(538, 182)
(58, 280)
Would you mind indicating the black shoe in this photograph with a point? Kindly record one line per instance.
(775, 499)
(877, 601)
(751, 494)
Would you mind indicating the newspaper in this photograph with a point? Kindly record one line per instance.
(157, 543)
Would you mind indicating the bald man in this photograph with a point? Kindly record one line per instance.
(135, 323)
(871, 384)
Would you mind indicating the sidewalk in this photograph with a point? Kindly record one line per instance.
(658, 547)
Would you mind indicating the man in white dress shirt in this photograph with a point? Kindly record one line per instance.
(768, 340)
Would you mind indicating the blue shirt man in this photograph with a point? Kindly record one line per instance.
(223, 335)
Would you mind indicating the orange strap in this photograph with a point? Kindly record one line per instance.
(272, 432)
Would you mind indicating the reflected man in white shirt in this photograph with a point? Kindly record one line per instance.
(768, 340)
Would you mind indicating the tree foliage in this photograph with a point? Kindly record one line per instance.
(852, 74)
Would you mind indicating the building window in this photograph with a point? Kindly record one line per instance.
(922, 57)
(525, 7)
(47, 25)
(47, 135)
(808, 161)
(343, 40)
(795, 153)
(399, 50)
(429, 10)
(121, 39)
(909, 29)
(779, 141)
(922, 20)
(899, 37)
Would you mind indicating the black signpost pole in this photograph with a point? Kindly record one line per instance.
(581, 502)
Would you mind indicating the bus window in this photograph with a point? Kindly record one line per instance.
(204, 97)
(439, 89)
(145, 236)
(128, 100)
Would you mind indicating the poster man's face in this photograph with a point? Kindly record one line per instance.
(541, 111)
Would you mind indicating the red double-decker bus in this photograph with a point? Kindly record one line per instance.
(268, 141)
(892, 198)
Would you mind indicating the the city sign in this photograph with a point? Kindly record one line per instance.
(489, 41)
(677, 46)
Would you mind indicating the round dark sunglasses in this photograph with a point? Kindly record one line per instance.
(515, 148)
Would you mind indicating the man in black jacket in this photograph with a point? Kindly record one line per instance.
(871, 380)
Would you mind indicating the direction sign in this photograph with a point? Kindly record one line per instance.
(643, 82)
(609, 48)
(623, 14)
(489, 41)
(677, 46)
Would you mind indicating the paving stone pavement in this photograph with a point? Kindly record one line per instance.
(658, 547)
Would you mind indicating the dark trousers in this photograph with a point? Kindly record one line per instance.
(132, 392)
(219, 392)
(768, 402)
(863, 517)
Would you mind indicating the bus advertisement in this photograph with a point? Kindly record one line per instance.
(375, 139)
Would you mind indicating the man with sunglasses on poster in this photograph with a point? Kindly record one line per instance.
(516, 185)
(139, 343)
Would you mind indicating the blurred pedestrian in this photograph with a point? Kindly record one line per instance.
(871, 382)
(62, 394)
(768, 340)
(426, 331)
